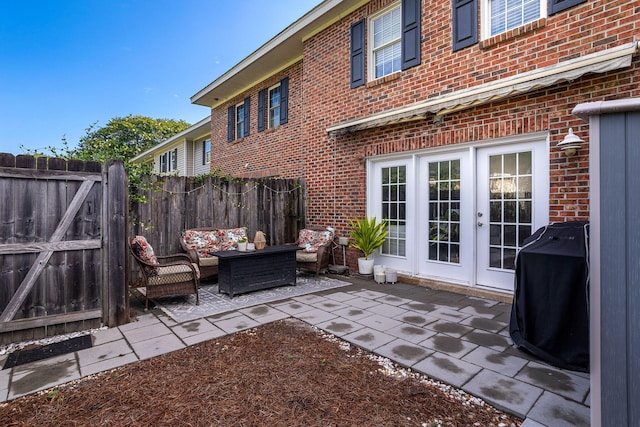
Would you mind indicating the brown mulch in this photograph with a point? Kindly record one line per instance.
(282, 374)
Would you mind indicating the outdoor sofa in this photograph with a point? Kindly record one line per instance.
(200, 243)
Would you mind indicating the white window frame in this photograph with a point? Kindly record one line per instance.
(239, 121)
(271, 108)
(485, 13)
(372, 50)
(170, 160)
(207, 152)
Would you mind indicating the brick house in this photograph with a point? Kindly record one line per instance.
(442, 116)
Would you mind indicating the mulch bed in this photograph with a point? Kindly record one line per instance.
(285, 373)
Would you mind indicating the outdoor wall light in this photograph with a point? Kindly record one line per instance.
(570, 143)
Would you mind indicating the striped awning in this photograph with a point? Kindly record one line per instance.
(599, 62)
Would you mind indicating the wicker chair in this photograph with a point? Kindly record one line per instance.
(315, 257)
(164, 275)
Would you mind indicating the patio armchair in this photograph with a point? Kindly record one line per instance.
(163, 276)
(315, 255)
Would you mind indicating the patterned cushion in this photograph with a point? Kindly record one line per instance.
(143, 250)
(205, 242)
(311, 240)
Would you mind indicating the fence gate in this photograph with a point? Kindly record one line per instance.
(62, 246)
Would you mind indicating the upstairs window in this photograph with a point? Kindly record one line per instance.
(385, 40)
(393, 42)
(169, 161)
(240, 120)
(206, 152)
(273, 105)
(507, 14)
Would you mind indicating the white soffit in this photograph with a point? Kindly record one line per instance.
(599, 62)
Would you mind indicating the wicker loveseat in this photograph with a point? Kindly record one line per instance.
(164, 275)
(316, 254)
(200, 243)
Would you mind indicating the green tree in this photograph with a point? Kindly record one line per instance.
(122, 138)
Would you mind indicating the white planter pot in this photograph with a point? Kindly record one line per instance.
(242, 246)
(365, 266)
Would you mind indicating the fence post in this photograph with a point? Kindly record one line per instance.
(114, 254)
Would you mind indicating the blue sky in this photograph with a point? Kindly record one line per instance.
(65, 64)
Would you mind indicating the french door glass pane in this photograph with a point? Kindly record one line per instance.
(394, 209)
(510, 206)
(444, 211)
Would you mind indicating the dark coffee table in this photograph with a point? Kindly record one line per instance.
(241, 272)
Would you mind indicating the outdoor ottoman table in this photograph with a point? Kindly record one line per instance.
(241, 272)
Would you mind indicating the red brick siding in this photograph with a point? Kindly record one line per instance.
(277, 151)
(334, 167)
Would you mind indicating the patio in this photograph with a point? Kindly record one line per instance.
(460, 340)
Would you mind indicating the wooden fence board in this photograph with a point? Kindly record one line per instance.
(273, 206)
(51, 250)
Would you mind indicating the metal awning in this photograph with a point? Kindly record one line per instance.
(598, 62)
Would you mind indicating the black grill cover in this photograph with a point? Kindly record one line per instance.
(550, 311)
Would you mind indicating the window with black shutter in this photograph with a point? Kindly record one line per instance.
(357, 54)
(231, 114)
(262, 96)
(556, 6)
(465, 23)
(411, 33)
(284, 100)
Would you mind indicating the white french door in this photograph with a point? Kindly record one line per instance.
(460, 216)
(445, 247)
(512, 202)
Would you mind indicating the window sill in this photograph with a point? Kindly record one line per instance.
(382, 80)
(513, 33)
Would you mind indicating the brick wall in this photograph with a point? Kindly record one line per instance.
(277, 151)
(334, 166)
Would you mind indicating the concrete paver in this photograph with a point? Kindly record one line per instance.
(162, 344)
(368, 338)
(552, 410)
(403, 352)
(503, 392)
(447, 369)
(500, 362)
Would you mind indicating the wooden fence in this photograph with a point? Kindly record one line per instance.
(274, 206)
(64, 262)
(62, 257)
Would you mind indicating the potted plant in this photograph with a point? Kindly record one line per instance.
(367, 235)
(242, 244)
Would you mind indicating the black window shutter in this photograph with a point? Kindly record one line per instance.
(556, 6)
(262, 96)
(284, 100)
(465, 23)
(411, 33)
(247, 109)
(174, 159)
(357, 54)
(204, 152)
(231, 114)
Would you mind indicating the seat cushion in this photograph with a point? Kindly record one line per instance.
(208, 261)
(302, 256)
(173, 274)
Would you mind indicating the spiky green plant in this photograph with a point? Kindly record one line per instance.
(368, 234)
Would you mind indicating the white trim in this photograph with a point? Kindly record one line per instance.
(485, 14)
(371, 60)
(172, 139)
(598, 62)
